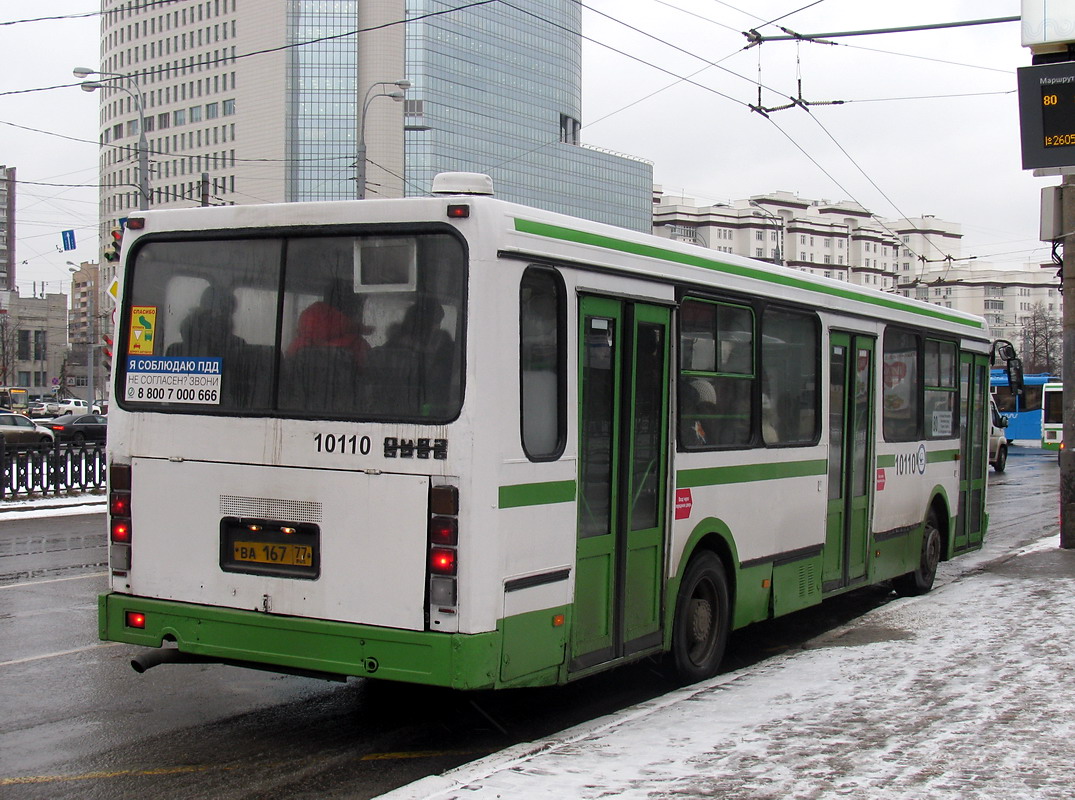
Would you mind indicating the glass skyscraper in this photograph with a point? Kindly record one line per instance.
(498, 89)
(265, 106)
(322, 102)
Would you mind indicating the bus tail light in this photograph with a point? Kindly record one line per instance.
(444, 530)
(120, 530)
(119, 520)
(134, 619)
(443, 564)
(442, 561)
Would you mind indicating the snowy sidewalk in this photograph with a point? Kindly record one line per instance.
(963, 693)
(52, 506)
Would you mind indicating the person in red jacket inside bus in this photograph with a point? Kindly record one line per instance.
(325, 324)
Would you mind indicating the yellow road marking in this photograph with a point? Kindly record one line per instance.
(93, 776)
(419, 754)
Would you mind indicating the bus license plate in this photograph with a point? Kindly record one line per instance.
(292, 555)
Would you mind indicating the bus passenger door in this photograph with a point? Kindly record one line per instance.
(851, 403)
(973, 432)
(623, 462)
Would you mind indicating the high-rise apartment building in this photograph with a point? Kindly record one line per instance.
(247, 101)
(918, 257)
(7, 228)
(837, 240)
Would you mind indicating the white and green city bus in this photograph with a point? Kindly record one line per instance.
(1052, 417)
(457, 441)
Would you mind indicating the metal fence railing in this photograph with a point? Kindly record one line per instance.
(35, 471)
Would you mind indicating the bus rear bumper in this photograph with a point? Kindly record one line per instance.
(303, 646)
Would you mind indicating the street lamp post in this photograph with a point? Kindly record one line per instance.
(397, 96)
(779, 231)
(139, 102)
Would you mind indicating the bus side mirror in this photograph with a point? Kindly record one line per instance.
(1014, 367)
(1003, 350)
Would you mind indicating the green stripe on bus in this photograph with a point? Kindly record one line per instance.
(716, 476)
(650, 251)
(937, 456)
(886, 461)
(536, 494)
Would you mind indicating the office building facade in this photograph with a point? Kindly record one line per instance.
(250, 101)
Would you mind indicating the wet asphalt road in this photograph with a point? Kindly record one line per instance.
(79, 723)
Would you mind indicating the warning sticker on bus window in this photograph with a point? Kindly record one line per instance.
(173, 380)
(143, 330)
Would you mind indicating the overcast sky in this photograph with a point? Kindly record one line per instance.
(929, 123)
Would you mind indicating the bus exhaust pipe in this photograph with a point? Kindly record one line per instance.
(165, 655)
(172, 655)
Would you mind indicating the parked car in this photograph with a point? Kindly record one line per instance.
(78, 428)
(72, 405)
(20, 429)
(38, 408)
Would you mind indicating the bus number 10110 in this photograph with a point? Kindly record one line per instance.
(343, 444)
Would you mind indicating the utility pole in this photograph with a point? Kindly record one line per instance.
(91, 343)
(1046, 94)
(1067, 455)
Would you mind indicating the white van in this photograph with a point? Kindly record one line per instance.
(998, 440)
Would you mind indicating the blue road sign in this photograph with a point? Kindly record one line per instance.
(68, 240)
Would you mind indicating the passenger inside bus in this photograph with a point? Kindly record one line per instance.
(412, 370)
(208, 330)
(328, 352)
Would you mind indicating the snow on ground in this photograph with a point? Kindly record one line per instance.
(61, 506)
(962, 694)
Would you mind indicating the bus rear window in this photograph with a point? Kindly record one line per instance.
(366, 327)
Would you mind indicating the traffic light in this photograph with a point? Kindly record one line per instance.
(112, 248)
(106, 354)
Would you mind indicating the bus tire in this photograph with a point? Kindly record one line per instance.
(700, 627)
(1002, 459)
(921, 580)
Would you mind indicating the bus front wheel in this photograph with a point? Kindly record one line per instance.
(921, 580)
(700, 628)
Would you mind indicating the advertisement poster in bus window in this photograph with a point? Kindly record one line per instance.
(900, 375)
(143, 330)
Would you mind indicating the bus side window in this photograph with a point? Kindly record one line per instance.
(790, 358)
(541, 311)
(716, 380)
(902, 386)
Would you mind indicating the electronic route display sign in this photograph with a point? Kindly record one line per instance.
(1047, 115)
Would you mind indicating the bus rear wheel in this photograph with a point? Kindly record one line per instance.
(700, 628)
(921, 580)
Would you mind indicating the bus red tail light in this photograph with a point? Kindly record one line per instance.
(121, 530)
(442, 561)
(119, 504)
(444, 530)
(134, 619)
(443, 565)
(119, 518)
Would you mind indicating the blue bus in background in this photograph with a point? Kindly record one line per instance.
(1022, 412)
